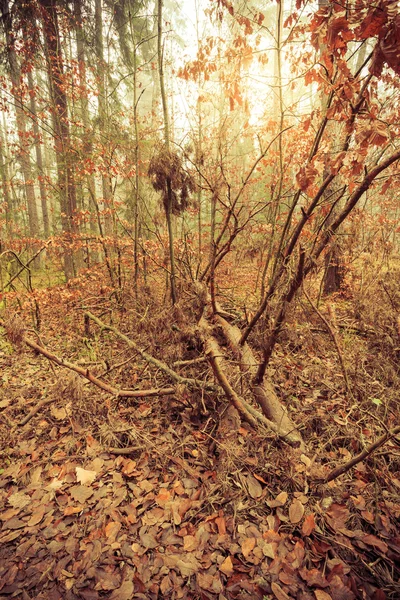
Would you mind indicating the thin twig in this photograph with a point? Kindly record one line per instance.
(364, 454)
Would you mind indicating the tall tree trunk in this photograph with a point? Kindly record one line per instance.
(24, 146)
(106, 182)
(168, 207)
(88, 144)
(39, 157)
(5, 188)
(64, 158)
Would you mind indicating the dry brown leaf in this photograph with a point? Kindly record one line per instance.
(254, 487)
(81, 493)
(129, 467)
(227, 567)
(309, 524)
(211, 583)
(280, 500)
(190, 543)
(321, 595)
(296, 511)
(148, 540)
(58, 413)
(85, 477)
(372, 540)
(247, 546)
(36, 517)
(112, 530)
(337, 516)
(279, 592)
(125, 592)
(19, 500)
(188, 565)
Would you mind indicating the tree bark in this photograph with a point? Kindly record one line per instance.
(62, 142)
(39, 157)
(106, 182)
(24, 145)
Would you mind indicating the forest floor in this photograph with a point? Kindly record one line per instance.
(157, 497)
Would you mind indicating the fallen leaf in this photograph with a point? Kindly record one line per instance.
(211, 583)
(112, 530)
(337, 516)
(227, 567)
(58, 413)
(129, 467)
(309, 524)
(372, 540)
(19, 500)
(36, 517)
(321, 595)
(296, 511)
(190, 543)
(148, 540)
(81, 493)
(125, 592)
(280, 500)
(188, 565)
(14, 523)
(85, 477)
(247, 546)
(254, 487)
(279, 592)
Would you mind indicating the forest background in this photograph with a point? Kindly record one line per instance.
(200, 219)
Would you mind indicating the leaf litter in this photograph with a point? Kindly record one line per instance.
(179, 516)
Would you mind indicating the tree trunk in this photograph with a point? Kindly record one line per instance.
(5, 188)
(87, 145)
(62, 143)
(106, 182)
(24, 147)
(168, 206)
(334, 271)
(39, 157)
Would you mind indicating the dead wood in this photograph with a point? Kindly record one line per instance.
(264, 394)
(247, 412)
(34, 411)
(151, 359)
(93, 379)
(364, 454)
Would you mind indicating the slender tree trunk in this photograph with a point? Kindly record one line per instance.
(39, 157)
(106, 182)
(5, 188)
(64, 157)
(88, 145)
(168, 211)
(24, 146)
(137, 167)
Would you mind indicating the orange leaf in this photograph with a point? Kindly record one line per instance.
(296, 511)
(227, 567)
(309, 524)
(321, 595)
(247, 546)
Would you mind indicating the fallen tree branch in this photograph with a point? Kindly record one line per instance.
(264, 394)
(246, 410)
(92, 378)
(34, 411)
(151, 359)
(364, 454)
